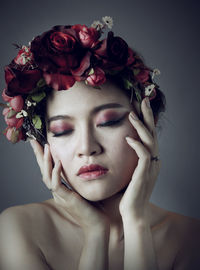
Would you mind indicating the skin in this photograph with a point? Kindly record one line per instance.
(111, 215)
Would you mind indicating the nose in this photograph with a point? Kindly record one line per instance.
(88, 145)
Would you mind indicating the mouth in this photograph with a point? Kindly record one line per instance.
(93, 171)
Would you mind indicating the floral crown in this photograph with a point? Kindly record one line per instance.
(56, 60)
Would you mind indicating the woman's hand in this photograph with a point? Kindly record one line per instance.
(136, 197)
(87, 215)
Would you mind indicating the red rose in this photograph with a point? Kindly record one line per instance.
(97, 78)
(131, 58)
(21, 81)
(57, 50)
(62, 42)
(142, 76)
(84, 65)
(88, 37)
(113, 52)
(117, 49)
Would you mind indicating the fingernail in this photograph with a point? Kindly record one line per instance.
(133, 116)
(128, 139)
(147, 102)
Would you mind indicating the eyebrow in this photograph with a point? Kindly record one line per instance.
(94, 111)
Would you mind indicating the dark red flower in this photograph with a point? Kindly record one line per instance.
(142, 76)
(114, 53)
(21, 81)
(57, 50)
(117, 49)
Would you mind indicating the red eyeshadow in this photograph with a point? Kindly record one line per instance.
(56, 128)
(107, 116)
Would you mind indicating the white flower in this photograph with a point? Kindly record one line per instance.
(149, 89)
(29, 104)
(108, 21)
(97, 24)
(21, 114)
(156, 72)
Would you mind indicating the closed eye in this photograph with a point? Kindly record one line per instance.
(106, 124)
(112, 122)
(66, 132)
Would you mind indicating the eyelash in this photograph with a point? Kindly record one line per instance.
(106, 124)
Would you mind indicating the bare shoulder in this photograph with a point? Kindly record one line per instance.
(186, 232)
(188, 228)
(19, 238)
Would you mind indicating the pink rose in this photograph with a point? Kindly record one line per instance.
(97, 78)
(87, 36)
(13, 121)
(13, 135)
(17, 103)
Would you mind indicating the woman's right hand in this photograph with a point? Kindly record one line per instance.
(88, 216)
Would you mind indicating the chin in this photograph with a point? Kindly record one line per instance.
(100, 196)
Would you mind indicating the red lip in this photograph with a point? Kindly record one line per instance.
(90, 168)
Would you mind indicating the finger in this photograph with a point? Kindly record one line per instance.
(38, 151)
(144, 134)
(56, 176)
(141, 151)
(145, 166)
(148, 117)
(47, 167)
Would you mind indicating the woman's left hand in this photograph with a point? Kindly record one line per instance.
(136, 197)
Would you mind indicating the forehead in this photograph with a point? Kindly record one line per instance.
(82, 98)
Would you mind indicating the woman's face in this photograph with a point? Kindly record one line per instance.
(88, 126)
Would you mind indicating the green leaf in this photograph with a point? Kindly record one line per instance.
(128, 84)
(91, 71)
(138, 96)
(15, 135)
(11, 113)
(136, 71)
(41, 83)
(38, 96)
(37, 121)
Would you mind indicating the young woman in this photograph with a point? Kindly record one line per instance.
(96, 146)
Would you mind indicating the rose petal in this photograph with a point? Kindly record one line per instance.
(5, 97)
(84, 65)
(59, 81)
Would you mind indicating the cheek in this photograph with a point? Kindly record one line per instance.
(59, 152)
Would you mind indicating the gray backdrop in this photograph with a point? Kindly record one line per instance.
(167, 34)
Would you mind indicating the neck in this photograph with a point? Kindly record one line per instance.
(110, 207)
